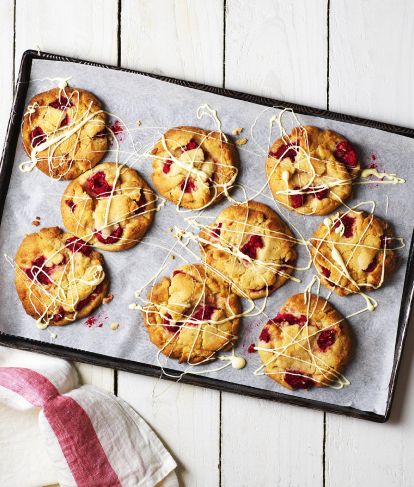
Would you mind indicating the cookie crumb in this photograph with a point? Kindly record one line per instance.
(114, 326)
(108, 299)
(172, 257)
(35, 223)
(138, 123)
(237, 130)
(170, 229)
(110, 139)
(38, 218)
(241, 141)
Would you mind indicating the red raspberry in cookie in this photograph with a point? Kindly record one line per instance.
(255, 231)
(53, 114)
(359, 240)
(315, 175)
(53, 270)
(192, 315)
(192, 167)
(300, 349)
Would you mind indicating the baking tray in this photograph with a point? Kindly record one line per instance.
(136, 367)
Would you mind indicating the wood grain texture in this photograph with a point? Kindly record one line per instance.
(371, 68)
(6, 71)
(96, 376)
(185, 418)
(278, 49)
(83, 29)
(179, 38)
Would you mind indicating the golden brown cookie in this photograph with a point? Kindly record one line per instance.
(311, 171)
(307, 343)
(129, 208)
(193, 168)
(359, 241)
(52, 116)
(59, 278)
(191, 316)
(250, 247)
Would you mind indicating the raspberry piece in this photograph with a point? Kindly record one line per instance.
(298, 200)
(75, 244)
(177, 272)
(265, 335)
(71, 205)
(37, 136)
(85, 302)
(325, 272)
(326, 339)
(269, 289)
(385, 241)
(40, 273)
(291, 319)
(113, 238)
(372, 266)
(348, 222)
(103, 133)
(320, 194)
(59, 316)
(65, 121)
(98, 289)
(98, 186)
(167, 166)
(345, 153)
(141, 204)
(251, 348)
(187, 185)
(215, 233)
(190, 146)
(117, 128)
(290, 262)
(171, 328)
(61, 103)
(203, 314)
(298, 380)
(284, 151)
(250, 247)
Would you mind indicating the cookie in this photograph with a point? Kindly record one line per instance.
(59, 278)
(191, 316)
(307, 344)
(311, 171)
(250, 247)
(193, 168)
(352, 252)
(52, 116)
(129, 208)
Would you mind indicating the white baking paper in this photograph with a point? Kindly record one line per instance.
(159, 105)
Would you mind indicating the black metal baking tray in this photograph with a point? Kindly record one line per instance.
(7, 160)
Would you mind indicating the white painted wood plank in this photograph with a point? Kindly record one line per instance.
(278, 49)
(96, 376)
(370, 76)
(182, 38)
(186, 420)
(275, 49)
(6, 60)
(79, 28)
(371, 68)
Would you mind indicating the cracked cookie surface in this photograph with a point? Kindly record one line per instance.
(53, 114)
(307, 344)
(193, 167)
(311, 170)
(250, 247)
(364, 244)
(114, 190)
(59, 278)
(191, 316)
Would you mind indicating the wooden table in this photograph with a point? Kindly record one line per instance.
(349, 56)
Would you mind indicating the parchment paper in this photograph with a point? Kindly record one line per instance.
(162, 105)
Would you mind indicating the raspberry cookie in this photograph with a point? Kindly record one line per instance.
(59, 278)
(192, 167)
(311, 170)
(192, 316)
(250, 247)
(308, 343)
(74, 120)
(352, 252)
(109, 206)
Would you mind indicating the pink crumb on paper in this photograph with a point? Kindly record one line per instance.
(251, 348)
(95, 321)
(119, 132)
